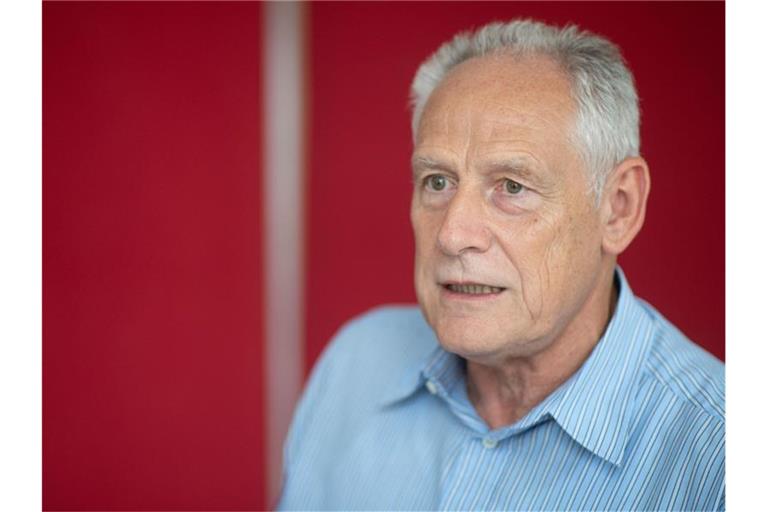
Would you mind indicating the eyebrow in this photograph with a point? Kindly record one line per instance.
(419, 162)
(429, 163)
(523, 168)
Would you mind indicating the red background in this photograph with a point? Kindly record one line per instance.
(152, 275)
(152, 377)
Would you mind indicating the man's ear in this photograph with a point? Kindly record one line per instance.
(622, 204)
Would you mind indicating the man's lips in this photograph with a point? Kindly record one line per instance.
(471, 288)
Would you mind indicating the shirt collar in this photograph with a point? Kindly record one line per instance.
(593, 406)
(412, 378)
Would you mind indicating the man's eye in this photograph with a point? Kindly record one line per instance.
(436, 182)
(512, 187)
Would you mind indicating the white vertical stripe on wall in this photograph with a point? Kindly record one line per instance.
(283, 222)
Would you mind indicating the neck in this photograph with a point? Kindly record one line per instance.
(504, 393)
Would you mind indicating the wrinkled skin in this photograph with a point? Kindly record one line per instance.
(494, 119)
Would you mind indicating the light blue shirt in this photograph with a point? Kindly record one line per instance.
(385, 423)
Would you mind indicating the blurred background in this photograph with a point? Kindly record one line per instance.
(225, 184)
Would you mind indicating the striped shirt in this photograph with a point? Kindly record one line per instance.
(385, 423)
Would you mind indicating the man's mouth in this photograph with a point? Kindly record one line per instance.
(473, 288)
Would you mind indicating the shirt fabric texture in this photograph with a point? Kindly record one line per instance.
(385, 423)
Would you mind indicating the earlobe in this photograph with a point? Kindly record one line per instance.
(623, 204)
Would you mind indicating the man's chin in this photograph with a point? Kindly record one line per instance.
(473, 344)
(484, 346)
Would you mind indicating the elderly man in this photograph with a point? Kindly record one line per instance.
(531, 378)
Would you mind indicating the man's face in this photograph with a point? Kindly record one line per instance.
(508, 241)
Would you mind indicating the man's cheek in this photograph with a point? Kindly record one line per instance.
(538, 265)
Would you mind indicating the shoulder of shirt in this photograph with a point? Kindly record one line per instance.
(692, 375)
(391, 330)
(377, 346)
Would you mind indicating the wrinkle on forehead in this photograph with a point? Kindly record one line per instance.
(492, 123)
(499, 124)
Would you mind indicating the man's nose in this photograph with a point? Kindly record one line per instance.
(464, 228)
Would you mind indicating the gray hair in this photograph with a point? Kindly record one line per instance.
(607, 116)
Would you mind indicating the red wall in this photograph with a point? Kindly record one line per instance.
(363, 57)
(152, 378)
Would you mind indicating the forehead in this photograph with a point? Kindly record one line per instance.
(499, 98)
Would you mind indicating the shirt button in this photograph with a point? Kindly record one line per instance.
(490, 443)
(431, 387)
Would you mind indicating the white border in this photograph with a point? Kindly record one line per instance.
(20, 256)
(746, 254)
(20, 263)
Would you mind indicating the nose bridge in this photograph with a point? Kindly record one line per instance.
(464, 225)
